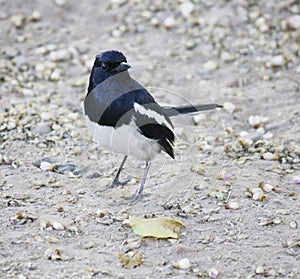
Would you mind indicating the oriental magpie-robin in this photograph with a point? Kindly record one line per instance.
(124, 118)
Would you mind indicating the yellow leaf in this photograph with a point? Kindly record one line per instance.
(156, 227)
(131, 259)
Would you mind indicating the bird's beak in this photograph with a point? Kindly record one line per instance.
(122, 67)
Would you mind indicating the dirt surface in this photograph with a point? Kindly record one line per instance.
(239, 53)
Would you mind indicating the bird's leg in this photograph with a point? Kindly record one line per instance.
(139, 192)
(116, 179)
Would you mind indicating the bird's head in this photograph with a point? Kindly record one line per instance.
(107, 64)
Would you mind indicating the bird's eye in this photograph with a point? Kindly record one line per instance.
(104, 66)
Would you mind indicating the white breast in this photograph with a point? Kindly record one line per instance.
(125, 140)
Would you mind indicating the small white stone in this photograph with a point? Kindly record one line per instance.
(255, 121)
(227, 57)
(40, 50)
(260, 270)
(259, 196)
(229, 107)
(190, 44)
(60, 2)
(244, 134)
(293, 22)
(278, 60)
(55, 75)
(261, 24)
(198, 118)
(18, 20)
(155, 21)
(28, 92)
(210, 66)
(60, 55)
(58, 226)
(184, 263)
(232, 205)
(116, 33)
(39, 67)
(41, 128)
(169, 22)
(45, 116)
(11, 125)
(263, 28)
(73, 115)
(36, 16)
(268, 135)
(46, 166)
(186, 9)
(212, 273)
(269, 156)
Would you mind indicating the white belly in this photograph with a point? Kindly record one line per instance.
(125, 140)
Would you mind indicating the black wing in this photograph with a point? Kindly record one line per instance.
(121, 111)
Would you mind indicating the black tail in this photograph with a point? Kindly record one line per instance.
(173, 111)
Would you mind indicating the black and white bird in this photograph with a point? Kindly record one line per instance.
(123, 117)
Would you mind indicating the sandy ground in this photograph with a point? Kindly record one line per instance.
(224, 51)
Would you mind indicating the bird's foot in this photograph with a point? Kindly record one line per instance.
(114, 184)
(129, 200)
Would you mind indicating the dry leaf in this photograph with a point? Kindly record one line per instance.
(131, 259)
(156, 227)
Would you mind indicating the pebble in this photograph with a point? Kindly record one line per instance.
(169, 22)
(60, 55)
(277, 61)
(229, 107)
(212, 273)
(18, 21)
(36, 16)
(116, 33)
(190, 44)
(293, 225)
(260, 270)
(11, 125)
(46, 116)
(42, 128)
(210, 66)
(155, 22)
(9, 52)
(293, 22)
(21, 62)
(186, 9)
(270, 156)
(78, 82)
(88, 245)
(227, 57)
(60, 2)
(255, 121)
(197, 118)
(261, 24)
(55, 75)
(183, 263)
(58, 226)
(232, 205)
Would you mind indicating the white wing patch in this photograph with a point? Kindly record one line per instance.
(159, 118)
